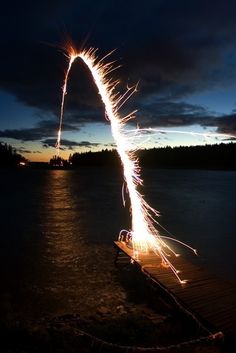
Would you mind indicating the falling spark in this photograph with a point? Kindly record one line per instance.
(143, 237)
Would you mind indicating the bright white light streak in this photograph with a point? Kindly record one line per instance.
(144, 237)
(143, 131)
(71, 55)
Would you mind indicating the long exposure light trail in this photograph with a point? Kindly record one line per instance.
(72, 55)
(143, 236)
(143, 131)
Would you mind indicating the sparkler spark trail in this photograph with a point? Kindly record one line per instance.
(139, 133)
(143, 236)
(72, 55)
(150, 130)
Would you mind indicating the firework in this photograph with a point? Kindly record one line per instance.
(143, 236)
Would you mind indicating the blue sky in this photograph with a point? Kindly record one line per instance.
(182, 53)
(221, 100)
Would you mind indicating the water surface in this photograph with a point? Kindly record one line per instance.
(57, 229)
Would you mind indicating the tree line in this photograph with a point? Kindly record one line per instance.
(218, 156)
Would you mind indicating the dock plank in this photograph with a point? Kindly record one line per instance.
(210, 298)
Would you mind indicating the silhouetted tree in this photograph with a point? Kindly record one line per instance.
(100, 159)
(9, 157)
(58, 162)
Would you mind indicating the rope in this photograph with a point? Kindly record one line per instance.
(181, 307)
(100, 344)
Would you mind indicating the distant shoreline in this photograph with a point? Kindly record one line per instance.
(207, 157)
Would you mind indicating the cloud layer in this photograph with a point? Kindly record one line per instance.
(174, 48)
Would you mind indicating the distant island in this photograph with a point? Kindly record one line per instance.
(218, 156)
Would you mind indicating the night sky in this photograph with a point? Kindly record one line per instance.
(182, 53)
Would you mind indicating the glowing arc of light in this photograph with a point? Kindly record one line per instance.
(144, 235)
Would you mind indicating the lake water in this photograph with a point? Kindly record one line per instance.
(57, 230)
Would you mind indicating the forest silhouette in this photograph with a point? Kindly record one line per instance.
(218, 156)
(9, 157)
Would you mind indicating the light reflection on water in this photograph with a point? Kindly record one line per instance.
(79, 271)
(54, 255)
(61, 222)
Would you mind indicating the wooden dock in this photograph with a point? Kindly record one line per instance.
(210, 299)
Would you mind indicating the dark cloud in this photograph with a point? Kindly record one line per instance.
(32, 134)
(169, 114)
(190, 46)
(43, 129)
(165, 113)
(225, 124)
(88, 144)
(25, 151)
(230, 139)
(174, 48)
(110, 145)
(163, 43)
(70, 144)
(161, 115)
